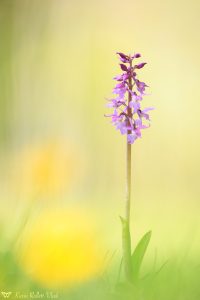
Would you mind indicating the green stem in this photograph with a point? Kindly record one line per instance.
(126, 237)
(128, 183)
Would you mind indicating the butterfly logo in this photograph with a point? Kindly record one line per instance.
(6, 294)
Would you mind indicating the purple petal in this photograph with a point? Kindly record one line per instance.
(140, 86)
(118, 77)
(135, 105)
(148, 109)
(122, 55)
(123, 67)
(120, 85)
(137, 55)
(125, 76)
(138, 132)
(124, 60)
(135, 96)
(131, 138)
(140, 66)
(138, 123)
(122, 127)
(141, 114)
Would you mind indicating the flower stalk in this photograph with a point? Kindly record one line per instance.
(129, 118)
(126, 236)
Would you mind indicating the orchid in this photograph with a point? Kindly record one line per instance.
(128, 116)
(130, 119)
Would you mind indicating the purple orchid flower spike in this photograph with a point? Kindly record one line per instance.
(129, 93)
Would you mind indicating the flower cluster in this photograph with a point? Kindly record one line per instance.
(128, 117)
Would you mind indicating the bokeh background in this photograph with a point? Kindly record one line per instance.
(62, 172)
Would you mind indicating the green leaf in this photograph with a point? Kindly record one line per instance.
(138, 255)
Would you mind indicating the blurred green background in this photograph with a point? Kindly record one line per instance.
(60, 155)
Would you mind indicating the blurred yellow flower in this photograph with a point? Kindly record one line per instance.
(62, 249)
(45, 169)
